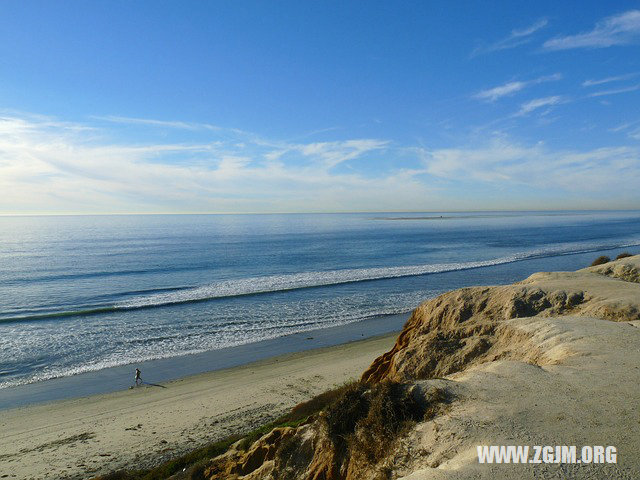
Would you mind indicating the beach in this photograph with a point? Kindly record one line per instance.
(136, 428)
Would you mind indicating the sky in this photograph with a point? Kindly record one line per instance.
(305, 106)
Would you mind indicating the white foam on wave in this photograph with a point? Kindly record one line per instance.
(270, 330)
(228, 337)
(278, 283)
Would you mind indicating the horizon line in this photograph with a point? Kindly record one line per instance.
(114, 214)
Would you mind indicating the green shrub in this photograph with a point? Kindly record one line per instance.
(624, 255)
(601, 260)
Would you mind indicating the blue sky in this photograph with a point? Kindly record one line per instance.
(253, 106)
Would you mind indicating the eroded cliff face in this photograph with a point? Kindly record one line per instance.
(349, 439)
(458, 329)
(536, 322)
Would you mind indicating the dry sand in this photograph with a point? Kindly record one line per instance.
(583, 392)
(140, 427)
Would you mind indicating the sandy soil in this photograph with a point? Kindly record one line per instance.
(88, 436)
(567, 376)
(582, 391)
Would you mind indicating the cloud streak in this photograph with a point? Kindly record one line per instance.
(615, 91)
(622, 29)
(537, 103)
(516, 38)
(57, 169)
(155, 123)
(495, 93)
(602, 81)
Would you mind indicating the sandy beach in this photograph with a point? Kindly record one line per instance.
(140, 427)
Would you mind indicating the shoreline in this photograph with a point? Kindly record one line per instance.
(80, 437)
(163, 370)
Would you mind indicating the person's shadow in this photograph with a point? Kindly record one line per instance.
(147, 383)
(153, 384)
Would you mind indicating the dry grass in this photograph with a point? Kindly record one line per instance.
(601, 260)
(368, 418)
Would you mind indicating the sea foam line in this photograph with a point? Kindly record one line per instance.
(259, 335)
(296, 281)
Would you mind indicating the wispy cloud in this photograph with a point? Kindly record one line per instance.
(493, 94)
(621, 127)
(630, 129)
(525, 32)
(155, 123)
(516, 38)
(615, 91)
(591, 83)
(537, 103)
(331, 154)
(622, 29)
(48, 166)
(503, 162)
(224, 132)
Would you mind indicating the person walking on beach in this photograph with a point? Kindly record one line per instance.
(138, 377)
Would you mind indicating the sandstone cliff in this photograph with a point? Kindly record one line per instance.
(551, 360)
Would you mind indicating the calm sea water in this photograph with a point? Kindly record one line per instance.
(83, 293)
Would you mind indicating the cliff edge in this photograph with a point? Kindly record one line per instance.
(552, 360)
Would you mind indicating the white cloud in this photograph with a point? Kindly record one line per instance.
(615, 91)
(334, 153)
(516, 38)
(621, 127)
(493, 94)
(635, 134)
(525, 32)
(502, 162)
(630, 129)
(622, 29)
(590, 83)
(154, 123)
(537, 103)
(48, 166)
(53, 167)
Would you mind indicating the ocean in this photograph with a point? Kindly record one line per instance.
(85, 293)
